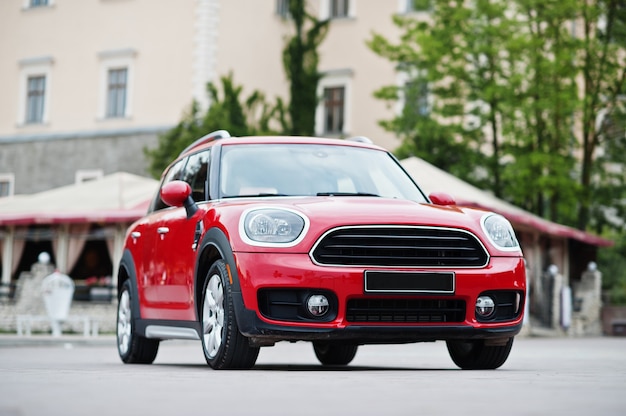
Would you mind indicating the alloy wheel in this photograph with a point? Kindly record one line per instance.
(213, 316)
(124, 323)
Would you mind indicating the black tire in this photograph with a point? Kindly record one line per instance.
(334, 354)
(476, 355)
(132, 348)
(222, 344)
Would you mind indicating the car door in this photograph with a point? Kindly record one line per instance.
(175, 254)
(154, 276)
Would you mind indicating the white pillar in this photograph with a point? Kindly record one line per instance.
(63, 248)
(118, 249)
(557, 287)
(7, 261)
(566, 307)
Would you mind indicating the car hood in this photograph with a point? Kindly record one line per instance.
(373, 210)
(325, 213)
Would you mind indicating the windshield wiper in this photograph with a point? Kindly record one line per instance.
(259, 195)
(346, 194)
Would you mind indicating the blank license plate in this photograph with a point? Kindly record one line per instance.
(408, 282)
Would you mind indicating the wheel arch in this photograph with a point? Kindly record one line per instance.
(214, 246)
(127, 272)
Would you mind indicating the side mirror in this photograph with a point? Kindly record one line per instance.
(178, 194)
(441, 198)
(175, 193)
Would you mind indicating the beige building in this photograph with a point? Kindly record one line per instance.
(88, 84)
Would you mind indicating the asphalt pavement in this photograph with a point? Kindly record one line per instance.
(74, 376)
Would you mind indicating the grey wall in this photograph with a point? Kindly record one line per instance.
(43, 163)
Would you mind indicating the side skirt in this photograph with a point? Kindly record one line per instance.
(163, 329)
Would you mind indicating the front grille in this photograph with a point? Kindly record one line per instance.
(400, 247)
(406, 310)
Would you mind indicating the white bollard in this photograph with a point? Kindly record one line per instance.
(58, 290)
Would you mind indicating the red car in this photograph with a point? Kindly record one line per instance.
(255, 240)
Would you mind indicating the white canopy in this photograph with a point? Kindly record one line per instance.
(116, 199)
(119, 197)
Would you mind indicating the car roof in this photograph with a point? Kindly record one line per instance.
(228, 141)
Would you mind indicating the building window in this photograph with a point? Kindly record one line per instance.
(282, 8)
(35, 84)
(115, 99)
(7, 184)
(417, 6)
(339, 8)
(35, 98)
(334, 103)
(116, 92)
(37, 4)
(332, 115)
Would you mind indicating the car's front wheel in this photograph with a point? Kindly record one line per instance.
(132, 348)
(334, 354)
(223, 345)
(478, 354)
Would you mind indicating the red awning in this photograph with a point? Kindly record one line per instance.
(433, 179)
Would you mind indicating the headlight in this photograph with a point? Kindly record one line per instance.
(272, 226)
(500, 232)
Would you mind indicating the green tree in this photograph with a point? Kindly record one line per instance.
(541, 141)
(602, 61)
(464, 55)
(507, 111)
(612, 263)
(300, 60)
(228, 111)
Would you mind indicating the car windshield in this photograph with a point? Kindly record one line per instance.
(256, 170)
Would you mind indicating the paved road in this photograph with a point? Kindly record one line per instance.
(543, 376)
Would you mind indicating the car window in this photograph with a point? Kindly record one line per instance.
(312, 169)
(196, 175)
(174, 173)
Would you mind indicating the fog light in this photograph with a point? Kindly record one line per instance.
(485, 306)
(317, 305)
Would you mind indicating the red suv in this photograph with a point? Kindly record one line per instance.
(255, 240)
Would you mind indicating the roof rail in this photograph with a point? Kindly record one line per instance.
(361, 139)
(215, 135)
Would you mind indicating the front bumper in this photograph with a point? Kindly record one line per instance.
(265, 272)
(263, 333)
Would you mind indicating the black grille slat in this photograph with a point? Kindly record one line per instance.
(400, 246)
(405, 310)
(407, 259)
(354, 246)
(391, 237)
